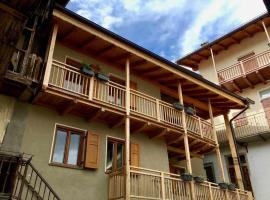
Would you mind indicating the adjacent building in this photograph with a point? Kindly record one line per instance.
(87, 114)
(239, 61)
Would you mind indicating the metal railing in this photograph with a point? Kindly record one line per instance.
(70, 79)
(244, 127)
(20, 179)
(245, 66)
(158, 185)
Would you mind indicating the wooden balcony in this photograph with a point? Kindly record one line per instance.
(248, 128)
(246, 73)
(70, 91)
(157, 185)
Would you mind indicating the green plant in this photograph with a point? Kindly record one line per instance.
(198, 179)
(186, 177)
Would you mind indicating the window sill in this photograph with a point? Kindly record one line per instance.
(65, 166)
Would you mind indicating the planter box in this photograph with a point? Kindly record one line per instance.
(102, 77)
(178, 106)
(87, 71)
(198, 179)
(190, 111)
(186, 177)
(231, 186)
(223, 186)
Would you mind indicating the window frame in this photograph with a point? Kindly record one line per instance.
(120, 140)
(81, 149)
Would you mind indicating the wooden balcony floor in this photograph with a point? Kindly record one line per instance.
(65, 102)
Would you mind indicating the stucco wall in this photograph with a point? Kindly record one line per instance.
(81, 184)
(61, 52)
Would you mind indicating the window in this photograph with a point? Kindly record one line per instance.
(210, 173)
(115, 154)
(244, 168)
(265, 94)
(68, 146)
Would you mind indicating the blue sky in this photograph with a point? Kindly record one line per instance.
(170, 28)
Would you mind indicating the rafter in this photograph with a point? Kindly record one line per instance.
(181, 151)
(118, 123)
(68, 107)
(66, 34)
(247, 33)
(161, 134)
(96, 114)
(105, 49)
(236, 87)
(248, 82)
(142, 128)
(258, 26)
(260, 77)
(149, 70)
(120, 57)
(176, 140)
(88, 42)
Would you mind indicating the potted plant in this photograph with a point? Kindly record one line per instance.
(223, 185)
(178, 106)
(198, 179)
(189, 111)
(87, 70)
(231, 186)
(102, 76)
(186, 177)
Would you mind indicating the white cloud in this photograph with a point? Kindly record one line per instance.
(232, 11)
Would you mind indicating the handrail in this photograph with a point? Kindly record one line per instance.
(69, 78)
(154, 184)
(245, 66)
(246, 126)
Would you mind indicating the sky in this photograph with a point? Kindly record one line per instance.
(169, 28)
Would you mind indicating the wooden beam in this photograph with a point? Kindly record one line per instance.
(248, 82)
(222, 46)
(88, 42)
(120, 57)
(105, 50)
(247, 33)
(261, 77)
(96, 114)
(176, 140)
(69, 107)
(193, 143)
(67, 34)
(235, 40)
(236, 164)
(161, 134)
(258, 26)
(236, 87)
(142, 128)
(181, 151)
(149, 70)
(119, 123)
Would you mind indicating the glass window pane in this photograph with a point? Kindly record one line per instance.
(120, 150)
(109, 164)
(59, 149)
(73, 149)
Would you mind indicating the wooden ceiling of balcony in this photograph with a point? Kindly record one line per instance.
(223, 43)
(94, 45)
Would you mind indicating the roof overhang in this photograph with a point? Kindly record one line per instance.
(247, 30)
(112, 49)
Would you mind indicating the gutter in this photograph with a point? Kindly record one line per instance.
(248, 101)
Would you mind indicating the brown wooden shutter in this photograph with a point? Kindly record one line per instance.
(134, 155)
(92, 151)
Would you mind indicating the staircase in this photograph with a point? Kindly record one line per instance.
(20, 180)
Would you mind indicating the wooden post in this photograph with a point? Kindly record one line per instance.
(210, 191)
(218, 154)
(242, 67)
(158, 110)
(127, 133)
(163, 195)
(91, 88)
(214, 64)
(189, 167)
(50, 56)
(266, 32)
(234, 153)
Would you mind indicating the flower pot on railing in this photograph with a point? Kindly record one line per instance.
(102, 77)
(198, 179)
(186, 177)
(231, 186)
(178, 106)
(87, 70)
(223, 186)
(190, 111)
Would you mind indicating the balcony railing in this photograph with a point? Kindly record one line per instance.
(244, 67)
(246, 126)
(30, 70)
(152, 184)
(70, 79)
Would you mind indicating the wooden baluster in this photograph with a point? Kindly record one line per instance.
(162, 186)
(91, 88)
(210, 191)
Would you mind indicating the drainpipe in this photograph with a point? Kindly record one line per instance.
(248, 101)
